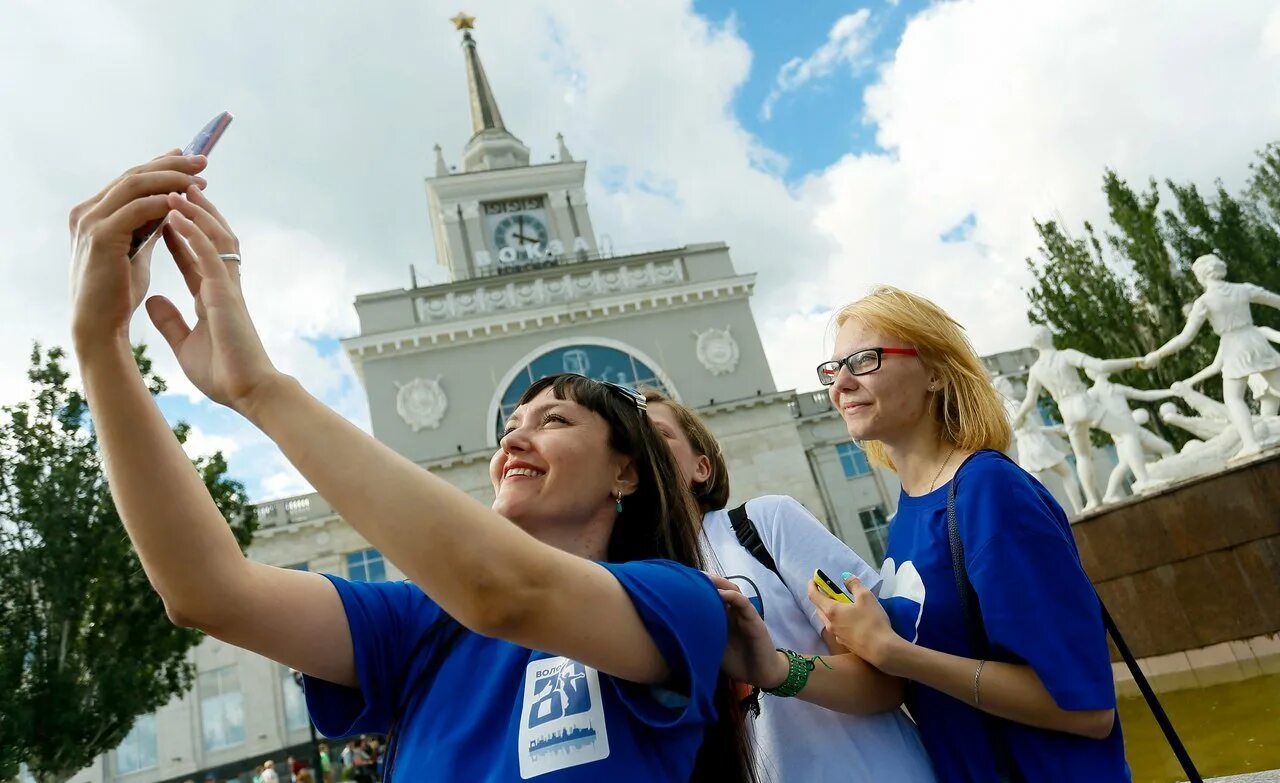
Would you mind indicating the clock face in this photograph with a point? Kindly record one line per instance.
(519, 231)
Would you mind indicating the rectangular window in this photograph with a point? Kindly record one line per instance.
(366, 566)
(853, 459)
(221, 707)
(295, 705)
(138, 749)
(876, 528)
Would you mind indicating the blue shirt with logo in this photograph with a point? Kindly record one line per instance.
(498, 712)
(1038, 607)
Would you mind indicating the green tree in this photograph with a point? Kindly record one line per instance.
(1088, 304)
(88, 646)
(1129, 292)
(1264, 186)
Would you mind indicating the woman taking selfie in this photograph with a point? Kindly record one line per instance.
(565, 634)
(1038, 704)
(869, 738)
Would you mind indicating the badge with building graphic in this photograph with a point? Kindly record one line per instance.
(562, 720)
(421, 403)
(717, 350)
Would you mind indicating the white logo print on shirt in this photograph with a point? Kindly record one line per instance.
(904, 582)
(562, 720)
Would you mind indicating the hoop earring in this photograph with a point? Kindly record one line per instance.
(618, 508)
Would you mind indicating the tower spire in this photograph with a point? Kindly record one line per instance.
(491, 146)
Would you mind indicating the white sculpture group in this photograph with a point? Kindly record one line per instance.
(1225, 431)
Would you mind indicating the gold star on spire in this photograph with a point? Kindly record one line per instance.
(463, 22)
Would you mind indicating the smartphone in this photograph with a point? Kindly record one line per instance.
(202, 144)
(830, 587)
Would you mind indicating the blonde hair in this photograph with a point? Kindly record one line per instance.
(969, 411)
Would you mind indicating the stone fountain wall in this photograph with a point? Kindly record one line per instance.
(1192, 576)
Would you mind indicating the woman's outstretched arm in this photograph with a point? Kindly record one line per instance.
(186, 548)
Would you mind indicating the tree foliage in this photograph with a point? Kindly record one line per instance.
(88, 647)
(1127, 290)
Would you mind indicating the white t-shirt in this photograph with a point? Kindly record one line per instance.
(796, 740)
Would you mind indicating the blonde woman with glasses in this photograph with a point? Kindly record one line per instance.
(1005, 655)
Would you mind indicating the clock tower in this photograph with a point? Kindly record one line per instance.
(499, 213)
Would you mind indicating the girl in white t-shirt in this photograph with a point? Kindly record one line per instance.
(811, 737)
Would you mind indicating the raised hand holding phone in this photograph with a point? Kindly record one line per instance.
(106, 285)
(202, 144)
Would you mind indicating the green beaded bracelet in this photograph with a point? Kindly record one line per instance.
(797, 674)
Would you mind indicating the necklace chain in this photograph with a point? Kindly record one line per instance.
(950, 454)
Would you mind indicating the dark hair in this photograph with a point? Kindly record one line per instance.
(659, 521)
(712, 494)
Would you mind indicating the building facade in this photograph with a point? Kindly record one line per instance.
(531, 292)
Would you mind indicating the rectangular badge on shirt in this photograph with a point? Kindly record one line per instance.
(562, 720)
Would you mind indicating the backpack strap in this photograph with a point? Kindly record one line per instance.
(750, 539)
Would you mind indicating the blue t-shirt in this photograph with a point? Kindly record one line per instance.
(499, 712)
(1038, 607)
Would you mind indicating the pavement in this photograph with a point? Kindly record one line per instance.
(1270, 776)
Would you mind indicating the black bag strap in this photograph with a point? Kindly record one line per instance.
(1166, 725)
(750, 539)
(978, 637)
(747, 534)
(449, 630)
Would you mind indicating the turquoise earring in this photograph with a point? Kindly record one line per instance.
(618, 507)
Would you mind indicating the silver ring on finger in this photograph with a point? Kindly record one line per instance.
(230, 257)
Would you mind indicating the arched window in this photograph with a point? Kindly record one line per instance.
(594, 361)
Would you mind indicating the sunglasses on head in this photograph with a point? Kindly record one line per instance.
(626, 392)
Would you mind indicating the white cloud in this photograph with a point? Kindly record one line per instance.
(1007, 110)
(298, 288)
(203, 444)
(1271, 34)
(285, 481)
(846, 45)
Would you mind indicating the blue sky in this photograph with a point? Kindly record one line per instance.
(817, 124)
